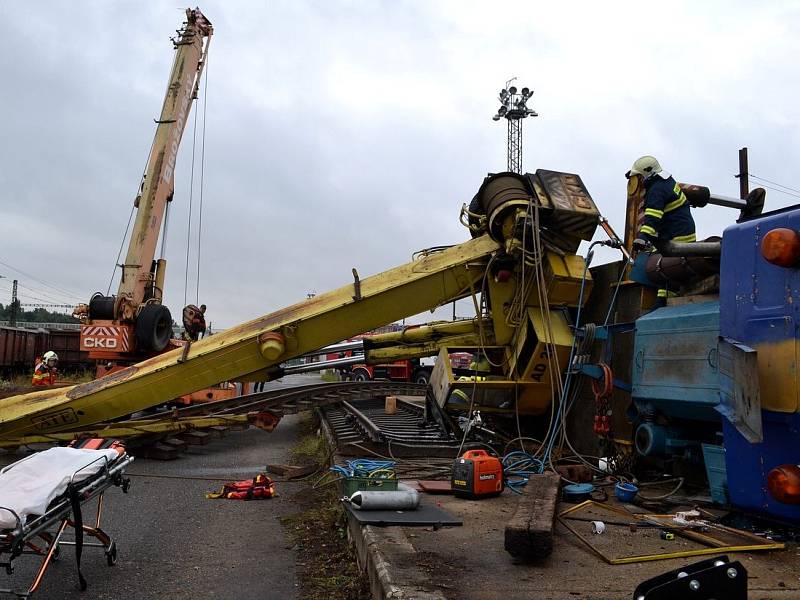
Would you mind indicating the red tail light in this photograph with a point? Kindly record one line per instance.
(784, 484)
(781, 247)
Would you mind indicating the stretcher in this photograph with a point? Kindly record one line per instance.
(41, 496)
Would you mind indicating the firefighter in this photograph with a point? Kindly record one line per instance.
(667, 215)
(45, 372)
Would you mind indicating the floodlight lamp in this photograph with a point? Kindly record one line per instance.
(502, 111)
(503, 94)
(512, 90)
(526, 92)
(496, 118)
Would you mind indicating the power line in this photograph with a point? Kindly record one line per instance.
(50, 297)
(774, 189)
(191, 202)
(121, 245)
(773, 183)
(24, 294)
(45, 305)
(202, 176)
(70, 294)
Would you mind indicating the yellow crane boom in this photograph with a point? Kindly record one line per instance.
(252, 348)
(520, 268)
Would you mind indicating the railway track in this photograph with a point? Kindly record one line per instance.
(359, 425)
(164, 434)
(353, 412)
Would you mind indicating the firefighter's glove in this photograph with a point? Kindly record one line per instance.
(640, 245)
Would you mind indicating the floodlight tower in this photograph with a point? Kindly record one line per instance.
(513, 109)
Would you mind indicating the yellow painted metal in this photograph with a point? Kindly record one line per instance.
(131, 429)
(161, 275)
(501, 295)
(756, 543)
(777, 368)
(564, 275)
(530, 387)
(426, 340)
(424, 333)
(387, 354)
(271, 345)
(407, 290)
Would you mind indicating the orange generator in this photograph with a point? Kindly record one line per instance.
(477, 475)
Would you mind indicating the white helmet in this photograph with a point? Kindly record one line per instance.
(48, 356)
(646, 166)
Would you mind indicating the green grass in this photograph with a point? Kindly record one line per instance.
(327, 567)
(24, 380)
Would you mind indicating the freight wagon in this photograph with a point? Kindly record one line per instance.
(20, 347)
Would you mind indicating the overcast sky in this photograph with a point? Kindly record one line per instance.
(348, 134)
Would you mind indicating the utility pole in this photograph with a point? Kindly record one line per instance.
(744, 174)
(14, 305)
(513, 109)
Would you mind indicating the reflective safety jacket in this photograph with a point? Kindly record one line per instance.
(666, 211)
(43, 375)
(259, 486)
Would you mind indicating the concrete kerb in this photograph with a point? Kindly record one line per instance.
(387, 557)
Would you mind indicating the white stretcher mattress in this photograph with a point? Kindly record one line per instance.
(31, 484)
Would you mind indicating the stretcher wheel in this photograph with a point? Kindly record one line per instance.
(111, 554)
(56, 553)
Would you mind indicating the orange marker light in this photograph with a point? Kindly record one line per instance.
(781, 247)
(784, 484)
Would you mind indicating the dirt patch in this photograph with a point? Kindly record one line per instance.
(442, 573)
(326, 562)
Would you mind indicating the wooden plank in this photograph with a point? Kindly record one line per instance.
(529, 533)
(217, 431)
(179, 445)
(196, 438)
(432, 486)
(158, 451)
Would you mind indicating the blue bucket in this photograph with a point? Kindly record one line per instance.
(626, 492)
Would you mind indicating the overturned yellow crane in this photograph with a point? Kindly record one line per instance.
(520, 267)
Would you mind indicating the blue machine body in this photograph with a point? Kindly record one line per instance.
(759, 304)
(675, 371)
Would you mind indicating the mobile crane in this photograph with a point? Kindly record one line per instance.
(520, 268)
(134, 324)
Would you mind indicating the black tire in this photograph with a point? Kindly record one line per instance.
(153, 328)
(422, 377)
(361, 375)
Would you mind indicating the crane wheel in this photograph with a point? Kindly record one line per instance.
(153, 328)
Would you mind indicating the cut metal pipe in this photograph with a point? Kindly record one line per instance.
(324, 364)
(333, 348)
(670, 248)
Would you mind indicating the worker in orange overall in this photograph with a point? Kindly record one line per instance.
(45, 372)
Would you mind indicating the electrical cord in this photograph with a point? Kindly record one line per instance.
(518, 466)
